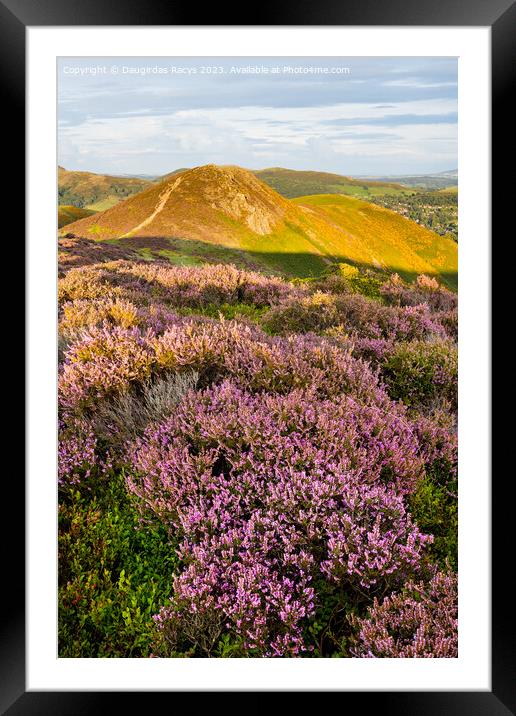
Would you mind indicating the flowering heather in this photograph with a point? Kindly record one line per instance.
(174, 285)
(425, 290)
(86, 313)
(105, 360)
(75, 316)
(358, 316)
(438, 446)
(271, 492)
(77, 454)
(419, 622)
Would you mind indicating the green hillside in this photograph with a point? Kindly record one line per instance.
(95, 191)
(291, 184)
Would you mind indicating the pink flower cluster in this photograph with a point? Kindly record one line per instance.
(419, 622)
(77, 453)
(270, 493)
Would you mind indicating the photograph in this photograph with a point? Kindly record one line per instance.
(257, 310)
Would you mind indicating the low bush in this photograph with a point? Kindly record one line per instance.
(423, 374)
(434, 503)
(112, 575)
(194, 287)
(419, 622)
(268, 494)
(426, 290)
(358, 316)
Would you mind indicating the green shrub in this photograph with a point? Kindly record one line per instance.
(423, 375)
(114, 574)
(310, 313)
(434, 508)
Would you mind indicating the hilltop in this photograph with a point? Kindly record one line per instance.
(96, 191)
(292, 183)
(213, 213)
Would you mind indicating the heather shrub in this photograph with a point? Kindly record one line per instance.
(76, 315)
(104, 361)
(373, 350)
(268, 493)
(423, 374)
(425, 290)
(368, 319)
(194, 287)
(213, 284)
(262, 363)
(100, 281)
(449, 320)
(78, 455)
(419, 622)
(358, 316)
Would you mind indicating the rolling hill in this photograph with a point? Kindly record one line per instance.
(214, 213)
(96, 191)
(291, 183)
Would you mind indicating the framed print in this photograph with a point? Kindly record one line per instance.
(258, 355)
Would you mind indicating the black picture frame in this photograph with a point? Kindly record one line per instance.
(500, 16)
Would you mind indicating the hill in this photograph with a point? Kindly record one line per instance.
(96, 191)
(68, 214)
(291, 183)
(214, 213)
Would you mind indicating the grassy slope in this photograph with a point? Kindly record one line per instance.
(199, 223)
(68, 214)
(381, 238)
(291, 184)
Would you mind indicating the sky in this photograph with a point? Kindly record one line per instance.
(348, 115)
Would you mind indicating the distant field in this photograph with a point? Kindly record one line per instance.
(104, 204)
(426, 181)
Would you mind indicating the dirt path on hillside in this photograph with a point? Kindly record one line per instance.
(163, 198)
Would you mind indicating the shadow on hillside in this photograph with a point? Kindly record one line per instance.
(292, 265)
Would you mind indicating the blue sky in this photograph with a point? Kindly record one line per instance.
(348, 115)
